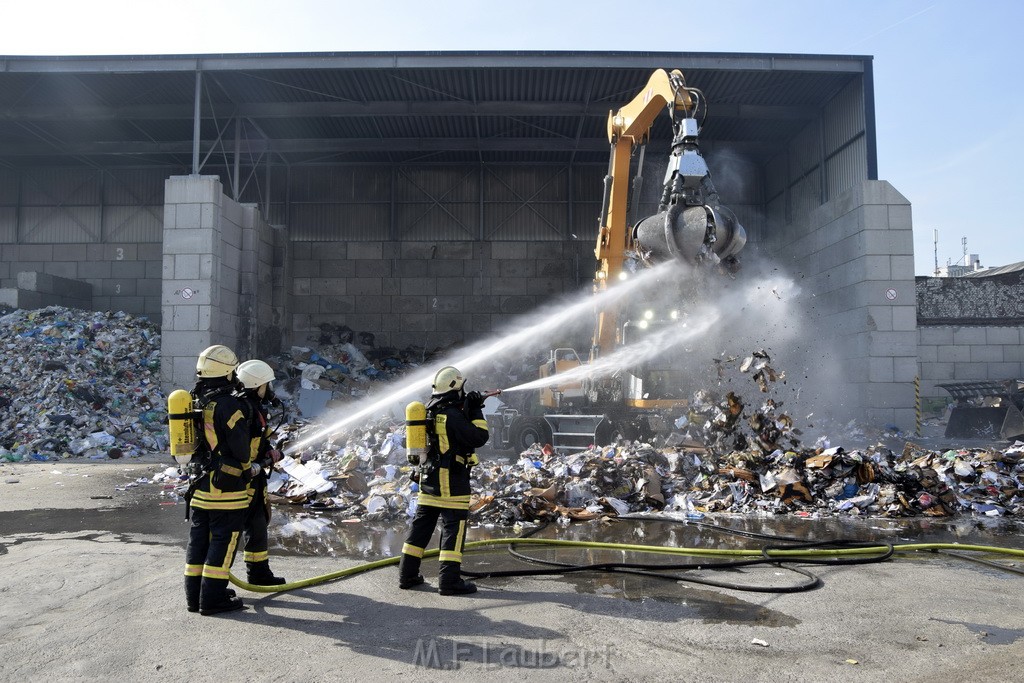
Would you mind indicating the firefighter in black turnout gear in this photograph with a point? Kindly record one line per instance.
(254, 380)
(455, 427)
(221, 494)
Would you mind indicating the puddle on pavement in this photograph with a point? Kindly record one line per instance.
(123, 521)
(993, 635)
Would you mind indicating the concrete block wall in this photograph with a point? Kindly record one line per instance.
(428, 294)
(209, 289)
(952, 353)
(38, 290)
(969, 329)
(124, 277)
(853, 257)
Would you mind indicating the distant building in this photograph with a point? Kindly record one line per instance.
(959, 270)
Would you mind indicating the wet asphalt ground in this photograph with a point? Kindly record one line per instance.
(92, 559)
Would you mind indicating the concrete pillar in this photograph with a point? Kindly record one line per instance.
(854, 259)
(192, 272)
(218, 278)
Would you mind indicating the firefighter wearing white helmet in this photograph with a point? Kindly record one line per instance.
(455, 426)
(216, 361)
(219, 495)
(254, 379)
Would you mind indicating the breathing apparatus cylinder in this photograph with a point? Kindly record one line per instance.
(181, 426)
(416, 432)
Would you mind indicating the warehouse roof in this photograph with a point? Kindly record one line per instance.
(393, 107)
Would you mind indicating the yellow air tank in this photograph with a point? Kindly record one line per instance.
(181, 426)
(416, 432)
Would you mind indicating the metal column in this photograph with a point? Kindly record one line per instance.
(196, 123)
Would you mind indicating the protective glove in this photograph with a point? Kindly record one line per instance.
(474, 401)
(473, 460)
(253, 471)
(275, 455)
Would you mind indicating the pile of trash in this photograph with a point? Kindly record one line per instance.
(340, 367)
(365, 475)
(79, 383)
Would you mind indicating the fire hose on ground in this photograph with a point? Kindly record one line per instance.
(794, 552)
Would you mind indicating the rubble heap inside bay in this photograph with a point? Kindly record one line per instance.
(725, 457)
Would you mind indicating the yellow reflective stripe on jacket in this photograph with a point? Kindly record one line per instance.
(216, 499)
(208, 428)
(228, 469)
(219, 504)
(441, 429)
(482, 424)
(450, 502)
(444, 482)
(233, 420)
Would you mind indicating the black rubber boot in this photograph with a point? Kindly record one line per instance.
(450, 582)
(193, 584)
(260, 575)
(409, 572)
(214, 598)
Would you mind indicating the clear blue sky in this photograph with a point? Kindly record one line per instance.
(949, 87)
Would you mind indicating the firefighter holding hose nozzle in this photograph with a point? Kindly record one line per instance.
(441, 438)
(254, 379)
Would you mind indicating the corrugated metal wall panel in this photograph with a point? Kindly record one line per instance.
(588, 183)
(8, 224)
(59, 225)
(131, 187)
(340, 183)
(585, 217)
(775, 214)
(520, 183)
(776, 176)
(751, 217)
(423, 221)
(133, 224)
(514, 221)
(847, 168)
(338, 222)
(60, 186)
(805, 151)
(8, 187)
(844, 117)
(806, 195)
(447, 184)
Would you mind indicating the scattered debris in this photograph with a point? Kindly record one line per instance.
(87, 385)
(79, 383)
